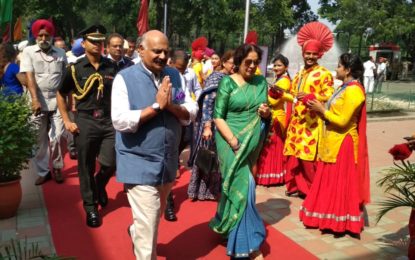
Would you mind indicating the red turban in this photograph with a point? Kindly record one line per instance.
(200, 44)
(315, 37)
(198, 54)
(43, 24)
(312, 45)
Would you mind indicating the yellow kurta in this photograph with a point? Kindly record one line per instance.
(342, 119)
(305, 125)
(277, 105)
(198, 69)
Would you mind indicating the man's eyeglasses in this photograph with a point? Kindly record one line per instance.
(248, 62)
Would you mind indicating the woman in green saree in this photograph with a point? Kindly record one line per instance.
(240, 115)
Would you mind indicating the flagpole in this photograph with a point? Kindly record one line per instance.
(246, 19)
(165, 17)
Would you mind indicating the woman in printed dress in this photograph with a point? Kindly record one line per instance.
(206, 186)
(271, 168)
(341, 185)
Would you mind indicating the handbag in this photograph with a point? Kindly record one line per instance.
(206, 160)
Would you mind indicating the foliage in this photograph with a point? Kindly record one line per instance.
(399, 184)
(17, 136)
(221, 21)
(18, 250)
(373, 21)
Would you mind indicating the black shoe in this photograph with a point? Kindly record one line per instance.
(101, 192)
(169, 214)
(73, 155)
(92, 219)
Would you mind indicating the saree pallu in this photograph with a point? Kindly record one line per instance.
(249, 233)
(238, 107)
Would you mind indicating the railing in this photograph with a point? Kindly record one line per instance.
(394, 95)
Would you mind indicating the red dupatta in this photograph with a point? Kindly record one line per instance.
(362, 157)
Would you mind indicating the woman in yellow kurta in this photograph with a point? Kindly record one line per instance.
(341, 185)
(271, 168)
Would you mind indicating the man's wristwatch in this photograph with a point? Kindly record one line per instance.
(156, 107)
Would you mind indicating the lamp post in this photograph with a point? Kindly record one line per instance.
(246, 19)
(165, 17)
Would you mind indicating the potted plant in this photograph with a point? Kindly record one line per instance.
(23, 250)
(17, 139)
(399, 184)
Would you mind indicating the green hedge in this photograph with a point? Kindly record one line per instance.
(17, 136)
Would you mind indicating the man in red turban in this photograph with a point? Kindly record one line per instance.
(43, 24)
(46, 29)
(312, 82)
(44, 67)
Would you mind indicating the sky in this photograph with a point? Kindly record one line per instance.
(314, 6)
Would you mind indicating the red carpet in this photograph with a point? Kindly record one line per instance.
(187, 239)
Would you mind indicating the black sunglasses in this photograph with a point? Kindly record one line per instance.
(248, 62)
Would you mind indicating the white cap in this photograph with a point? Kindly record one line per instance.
(22, 45)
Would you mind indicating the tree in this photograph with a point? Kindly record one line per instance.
(221, 21)
(373, 21)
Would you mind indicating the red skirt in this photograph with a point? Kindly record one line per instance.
(270, 167)
(333, 202)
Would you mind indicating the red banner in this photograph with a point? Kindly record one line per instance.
(142, 20)
(17, 32)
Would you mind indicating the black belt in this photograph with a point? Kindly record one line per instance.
(96, 113)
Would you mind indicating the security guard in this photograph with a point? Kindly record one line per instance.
(90, 80)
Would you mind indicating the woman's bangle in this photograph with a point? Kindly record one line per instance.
(236, 148)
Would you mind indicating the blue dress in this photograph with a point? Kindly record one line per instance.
(9, 82)
(205, 186)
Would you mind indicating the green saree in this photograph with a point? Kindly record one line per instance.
(238, 107)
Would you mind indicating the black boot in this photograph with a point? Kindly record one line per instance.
(101, 180)
(169, 214)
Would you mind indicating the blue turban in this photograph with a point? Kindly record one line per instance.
(77, 48)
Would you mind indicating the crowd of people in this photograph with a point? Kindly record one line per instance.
(135, 110)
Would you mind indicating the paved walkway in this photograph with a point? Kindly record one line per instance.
(386, 240)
